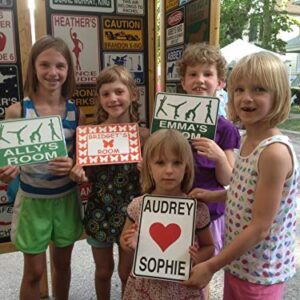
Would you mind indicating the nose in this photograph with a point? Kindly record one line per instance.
(169, 168)
(200, 78)
(52, 70)
(247, 95)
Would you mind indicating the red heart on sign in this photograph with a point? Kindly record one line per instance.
(164, 236)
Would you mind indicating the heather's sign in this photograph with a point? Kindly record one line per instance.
(29, 141)
(108, 144)
(166, 231)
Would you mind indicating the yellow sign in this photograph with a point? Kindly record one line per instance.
(122, 33)
(171, 4)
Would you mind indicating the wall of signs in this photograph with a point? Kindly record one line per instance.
(186, 21)
(11, 90)
(100, 34)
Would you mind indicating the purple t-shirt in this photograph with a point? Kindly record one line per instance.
(227, 137)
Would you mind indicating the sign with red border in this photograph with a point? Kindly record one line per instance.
(7, 37)
(108, 144)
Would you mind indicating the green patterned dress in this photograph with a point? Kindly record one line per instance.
(113, 188)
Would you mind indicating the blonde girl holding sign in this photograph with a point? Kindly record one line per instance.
(113, 186)
(46, 206)
(167, 170)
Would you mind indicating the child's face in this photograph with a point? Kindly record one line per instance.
(168, 172)
(201, 79)
(51, 70)
(252, 102)
(115, 99)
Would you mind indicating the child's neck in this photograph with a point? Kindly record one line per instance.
(118, 120)
(169, 193)
(254, 137)
(49, 103)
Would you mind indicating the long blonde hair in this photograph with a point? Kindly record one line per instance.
(157, 143)
(269, 72)
(112, 74)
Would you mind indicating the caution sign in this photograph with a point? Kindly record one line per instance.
(28, 141)
(7, 37)
(122, 33)
(170, 4)
(175, 28)
(133, 61)
(108, 144)
(173, 54)
(9, 87)
(130, 7)
(95, 6)
(194, 116)
(166, 231)
(6, 3)
(81, 35)
(197, 21)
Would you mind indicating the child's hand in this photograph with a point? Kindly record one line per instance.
(209, 149)
(8, 173)
(60, 166)
(78, 175)
(201, 194)
(193, 250)
(200, 276)
(130, 236)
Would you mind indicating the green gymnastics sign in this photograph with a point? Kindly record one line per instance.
(193, 116)
(28, 141)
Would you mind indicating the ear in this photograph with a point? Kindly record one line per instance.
(183, 84)
(221, 84)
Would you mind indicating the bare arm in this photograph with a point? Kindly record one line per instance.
(275, 165)
(128, 237)
(13, 111)
(208, 196)
(224, 160)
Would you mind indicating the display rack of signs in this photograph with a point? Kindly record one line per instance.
(10, 62)
(11, 90)
(100, 34)
(185, 22)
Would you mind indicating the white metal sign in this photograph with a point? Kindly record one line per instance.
(28, 141)
(194, 116)
(108, 144)
(133, 61)
(95, 6)
(166, 231)
(81, 34)
(7, 37)
(130, 7)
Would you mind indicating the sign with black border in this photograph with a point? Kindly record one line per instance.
(194, 116)
(166, 231)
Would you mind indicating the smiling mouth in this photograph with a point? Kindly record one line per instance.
(248, 109)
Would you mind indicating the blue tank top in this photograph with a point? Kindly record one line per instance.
(35, 180)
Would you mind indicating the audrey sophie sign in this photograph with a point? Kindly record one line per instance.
(108, 144)
(167, 226)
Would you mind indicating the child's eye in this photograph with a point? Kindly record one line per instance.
(61, 66)
(178, 162)
(238, 90)
(119, 92)
(259, 89)
(159, 162)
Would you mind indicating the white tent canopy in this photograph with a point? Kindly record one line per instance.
(239, 48)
